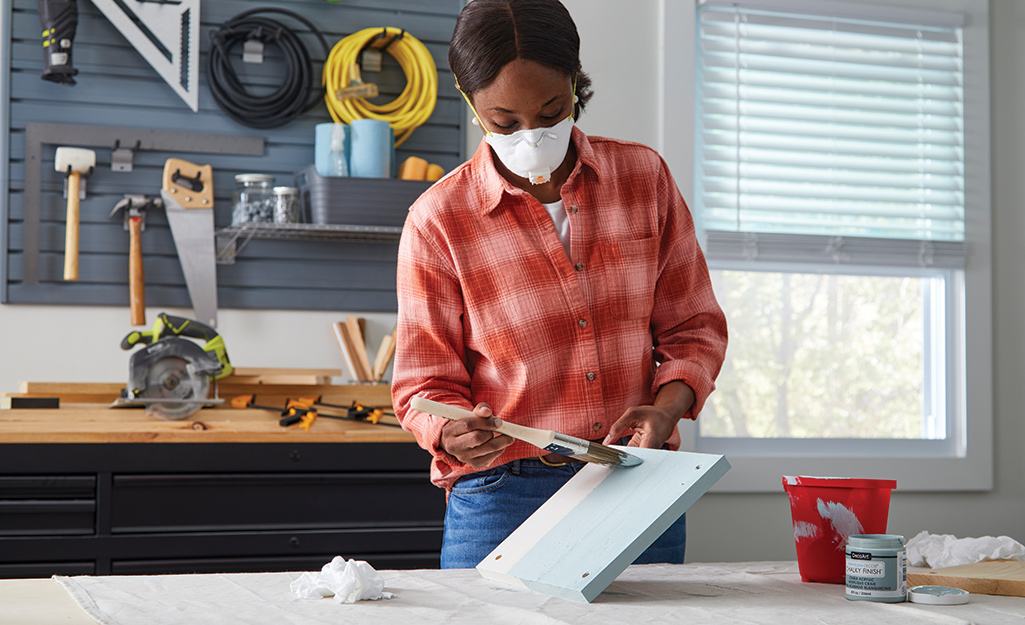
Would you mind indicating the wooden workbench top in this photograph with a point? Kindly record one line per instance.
(92, 423)
(85, 414)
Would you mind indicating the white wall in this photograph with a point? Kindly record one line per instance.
(81, 344)
(620, 51)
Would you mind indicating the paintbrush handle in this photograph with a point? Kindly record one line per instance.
(538, 438)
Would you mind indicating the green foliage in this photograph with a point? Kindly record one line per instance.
(819, 356)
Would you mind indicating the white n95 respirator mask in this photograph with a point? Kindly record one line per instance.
(535, 153)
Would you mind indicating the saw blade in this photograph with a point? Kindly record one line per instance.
(172, 379)
(193, 233)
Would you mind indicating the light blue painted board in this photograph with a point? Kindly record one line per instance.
(596, 525)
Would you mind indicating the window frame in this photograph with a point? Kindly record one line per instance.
(759, 467)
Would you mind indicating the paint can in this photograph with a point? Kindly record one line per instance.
(877, 568)
(828, 510)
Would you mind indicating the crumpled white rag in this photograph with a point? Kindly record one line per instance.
(942, 550)
(349, 582)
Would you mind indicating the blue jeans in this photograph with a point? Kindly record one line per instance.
(485, 507)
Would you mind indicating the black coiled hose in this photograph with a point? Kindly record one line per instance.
(287, 101)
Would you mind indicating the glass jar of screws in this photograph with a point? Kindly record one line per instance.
(253, 199)
(286, 205)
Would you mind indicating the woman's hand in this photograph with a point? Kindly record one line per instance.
(651, 426)
(474, 441)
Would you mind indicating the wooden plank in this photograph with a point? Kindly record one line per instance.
(993, 577)
(342, 336)
(269, 394)
(385, 353)
(277, 375)
(358, 347)
(90, 423)
(596, 525)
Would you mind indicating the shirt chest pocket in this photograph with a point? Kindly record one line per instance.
(629, 272)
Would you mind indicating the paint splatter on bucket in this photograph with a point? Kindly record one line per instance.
(828, 510)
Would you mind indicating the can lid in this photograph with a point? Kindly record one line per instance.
(938, 595)
(837, 482)
(286, 191)
(875, 541)
(240, 178)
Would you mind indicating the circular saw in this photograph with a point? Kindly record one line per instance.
(172, 375)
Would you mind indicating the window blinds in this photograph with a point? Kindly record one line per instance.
(830, 137)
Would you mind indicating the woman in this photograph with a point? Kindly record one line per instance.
(553, 280)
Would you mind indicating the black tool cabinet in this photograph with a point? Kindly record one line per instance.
(162, 508)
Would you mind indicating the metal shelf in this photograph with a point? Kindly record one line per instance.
(231, 240)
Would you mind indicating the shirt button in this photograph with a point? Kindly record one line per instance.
(591, 376)
(573, 209)
(579, 266)
(583, 323)
(597, 426)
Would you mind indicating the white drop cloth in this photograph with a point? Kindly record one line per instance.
(695, 594)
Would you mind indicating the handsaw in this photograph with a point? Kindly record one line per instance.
(166, 34)
(188, 194)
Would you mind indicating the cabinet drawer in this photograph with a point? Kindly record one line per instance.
(230, 502)
(25, 570)
(47, 487)
(44, 505)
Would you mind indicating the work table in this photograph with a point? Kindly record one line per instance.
(98, 423)
(748, 593)
(85, 415)
(86, 489)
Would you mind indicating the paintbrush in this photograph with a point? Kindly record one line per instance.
(547, 440)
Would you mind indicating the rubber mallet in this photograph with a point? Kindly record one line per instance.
(73, 162)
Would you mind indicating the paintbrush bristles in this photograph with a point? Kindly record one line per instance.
(608, 455)
(588, 451)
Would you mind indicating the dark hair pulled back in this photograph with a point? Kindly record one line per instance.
(489, 34)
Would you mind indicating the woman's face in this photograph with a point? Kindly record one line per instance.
(524, 95)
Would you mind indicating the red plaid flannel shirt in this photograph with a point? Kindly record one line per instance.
(491, 309)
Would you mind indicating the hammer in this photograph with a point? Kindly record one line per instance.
(135, 222)
(73, 162)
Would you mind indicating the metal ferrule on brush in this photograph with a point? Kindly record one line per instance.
(568, 445)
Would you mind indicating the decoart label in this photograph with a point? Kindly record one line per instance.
(874, 576)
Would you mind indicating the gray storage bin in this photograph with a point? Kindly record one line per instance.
(356, 201)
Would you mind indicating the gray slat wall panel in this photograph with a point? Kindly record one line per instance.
(116, 87)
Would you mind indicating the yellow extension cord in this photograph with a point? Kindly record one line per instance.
(409, 109)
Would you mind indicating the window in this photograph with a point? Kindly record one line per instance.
(841, 191)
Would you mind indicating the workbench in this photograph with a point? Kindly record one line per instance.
(746, 593)
(90, 490)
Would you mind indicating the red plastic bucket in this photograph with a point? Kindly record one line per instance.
(826, 511)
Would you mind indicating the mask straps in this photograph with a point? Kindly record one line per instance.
(573, 104)
(480, 122)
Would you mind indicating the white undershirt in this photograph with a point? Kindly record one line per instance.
(561, 221)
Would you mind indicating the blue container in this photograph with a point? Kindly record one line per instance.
(371, 149)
